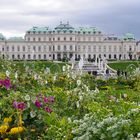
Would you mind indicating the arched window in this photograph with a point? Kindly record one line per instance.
(115, 56)
(39, 56)
(109, 56)
(45, 56)
(34, 57)
(13, 56)
(29, 56)
(18, 56)
(23, 56)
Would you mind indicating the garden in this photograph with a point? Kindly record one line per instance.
(41, 101)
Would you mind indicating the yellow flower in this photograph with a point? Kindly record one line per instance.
(16, 130)
(3, 128)
(7, 120)
(6, 139)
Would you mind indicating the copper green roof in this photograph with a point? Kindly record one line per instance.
(64, 27)
(2, 37)
(128, 36)
(15, 39)
(88, 29)
(39, 29)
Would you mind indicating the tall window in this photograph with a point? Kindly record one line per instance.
(49, 48)
(39, 48)
(58, 48)
(13, 48)
(18, 48)
(29, 56)
(70, 38)
(45, 56)
(39, 56)
(64, 48)
(71, 48)
(13, 56)
(23, 48)
(64, 38)
(7, 48)
(39, 39)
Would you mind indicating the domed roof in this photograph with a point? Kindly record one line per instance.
(38, 29)
(16, 39)
(64, 27)
(88, 29)
(2, 37)
(128, 36)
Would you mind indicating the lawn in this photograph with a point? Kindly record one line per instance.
(124, 65)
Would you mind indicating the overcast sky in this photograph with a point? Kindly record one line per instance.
(110, 16)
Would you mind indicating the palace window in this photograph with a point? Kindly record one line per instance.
(58, 38)
(34, 57)
(13, 56)
(70, 38)
(23, 56)
(33, 39)
(39, 48)
(34, 48)
(29, 56)
(39, 56)
(64, 38)
(13, 48)
(71, 48)
(23, 48)
(64, 48)
(39, 39)
(18, 56)
(45, 56)
(7, 48)
(18, 48)
(58, 47)
(49, 48)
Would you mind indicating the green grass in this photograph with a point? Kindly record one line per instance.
(38, 65)
(124, 65)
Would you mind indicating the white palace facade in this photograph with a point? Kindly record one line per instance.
(64, 41)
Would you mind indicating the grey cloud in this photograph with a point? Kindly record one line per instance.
(111, 16)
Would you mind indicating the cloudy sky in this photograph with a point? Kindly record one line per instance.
(110, 16)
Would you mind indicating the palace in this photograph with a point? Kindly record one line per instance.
(65, 41)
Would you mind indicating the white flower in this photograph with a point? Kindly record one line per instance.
(39, 116)
(68, 75)
(77, 104)
(32, 114)
(54, 78)
(16, 75)
(7, 73)
(35, 77)
(28, 104)
(78, 82)
(27, 97)
(96, 90)
(138, 135)
(64, 68)
(46, 82)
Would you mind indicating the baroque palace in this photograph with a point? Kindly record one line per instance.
(64, 41)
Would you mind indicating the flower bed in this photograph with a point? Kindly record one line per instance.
(39, 105)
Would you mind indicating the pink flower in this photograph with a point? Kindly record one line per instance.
(38, 104)
(6, 83)
(19, 105)
(51, 99)
(47, 109)
(46, 100)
